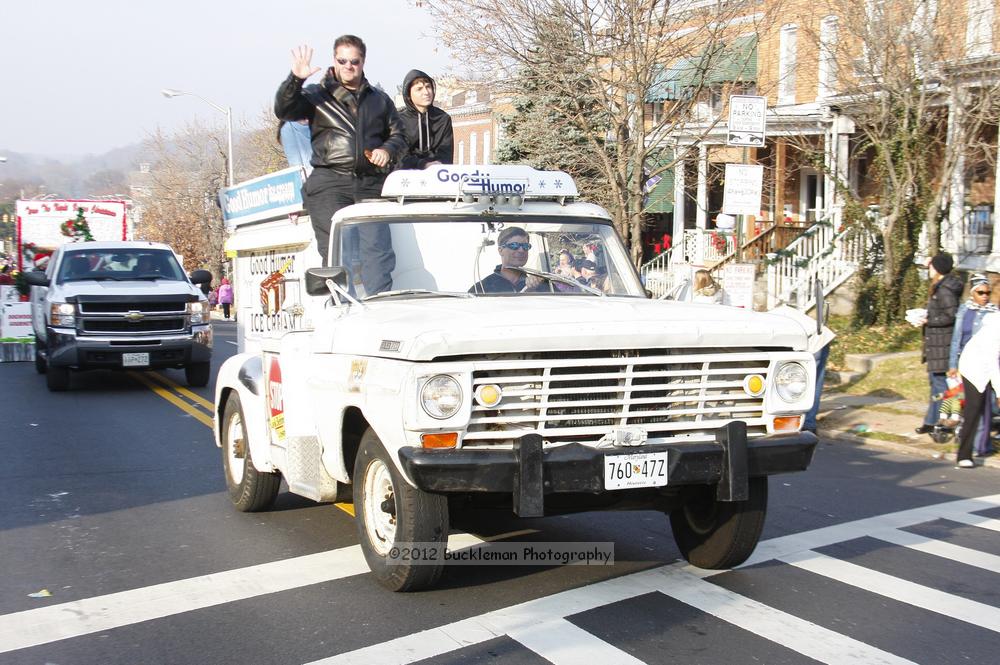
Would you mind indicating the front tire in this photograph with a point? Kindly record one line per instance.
(57, 378)
(389, 511)
(717, 534)
(250, 490)
(197, 374)
(40, 364)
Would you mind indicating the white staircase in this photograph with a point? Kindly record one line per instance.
(698, 247)
(820, 254)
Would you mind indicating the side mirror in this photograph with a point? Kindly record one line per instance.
(36, 278)
(316, 279)
(201, 277)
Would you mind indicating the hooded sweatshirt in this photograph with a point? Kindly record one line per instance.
(429, 135)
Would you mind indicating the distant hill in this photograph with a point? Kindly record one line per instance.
(67, 176)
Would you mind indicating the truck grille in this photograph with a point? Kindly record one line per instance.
(143, 326)
(670, 394)
(112, 316)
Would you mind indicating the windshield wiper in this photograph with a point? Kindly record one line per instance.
(555, 277)
(416, 292)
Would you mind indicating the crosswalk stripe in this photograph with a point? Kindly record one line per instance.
(562, 643)
(29, 628)
(790, 631)
(977, 520)
(939, 548)
(896, 588)
(81, 617)
(838, 533)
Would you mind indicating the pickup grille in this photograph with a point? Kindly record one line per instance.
(670, 394)
(123, 326)
(120, 317)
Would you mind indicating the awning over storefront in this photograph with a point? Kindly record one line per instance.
(660, 188)
(723, 63)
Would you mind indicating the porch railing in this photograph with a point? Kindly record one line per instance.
(821, 253)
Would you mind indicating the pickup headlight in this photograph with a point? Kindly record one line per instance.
(441, 396)
(791, 381)
(62, 314)
(198, 311)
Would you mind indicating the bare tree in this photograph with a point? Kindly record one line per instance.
(179, 201)
(612, 55)
(921, 107)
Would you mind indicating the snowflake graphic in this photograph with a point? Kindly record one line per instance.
(405, 182)
(541, 183)
(558, 184)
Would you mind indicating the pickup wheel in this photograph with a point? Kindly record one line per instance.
(57, 378)
(719, 534)
(250, 490)
(389, 511)
(40, 364)
(197, 374)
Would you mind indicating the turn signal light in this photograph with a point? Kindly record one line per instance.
(787, 423)
(439, 440)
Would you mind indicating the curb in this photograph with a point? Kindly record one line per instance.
(992, 462)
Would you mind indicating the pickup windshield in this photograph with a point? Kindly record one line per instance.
(119, 265)
(529, 256)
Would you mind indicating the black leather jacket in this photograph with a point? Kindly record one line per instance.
(343, 124)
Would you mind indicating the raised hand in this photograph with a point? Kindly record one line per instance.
(302, 62)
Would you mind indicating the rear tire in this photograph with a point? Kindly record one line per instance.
(250, 490)
(198, 374)
(40, 364)
(57, 378)
(389, 511)
(717, 534)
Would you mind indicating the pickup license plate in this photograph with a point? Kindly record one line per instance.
(636, 470)
(135, 360)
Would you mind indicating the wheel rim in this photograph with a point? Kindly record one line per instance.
(235, 448)
(380, 524)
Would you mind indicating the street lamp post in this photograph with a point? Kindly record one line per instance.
(170, 92)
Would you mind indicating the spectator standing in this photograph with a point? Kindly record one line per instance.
(356, 133)
(942, 304)
(968, 321)
(296, 140)
(979, 366)
(429, 136)
(225, 296)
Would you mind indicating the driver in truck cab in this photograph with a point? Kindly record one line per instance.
(513, 246)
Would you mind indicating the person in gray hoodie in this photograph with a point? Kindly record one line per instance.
(429, 135)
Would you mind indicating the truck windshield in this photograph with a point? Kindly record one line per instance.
(119, 265)
(526, 256)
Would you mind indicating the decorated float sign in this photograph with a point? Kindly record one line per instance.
(40, 223)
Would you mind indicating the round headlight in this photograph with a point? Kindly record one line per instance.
(791, 381)
(441, 396)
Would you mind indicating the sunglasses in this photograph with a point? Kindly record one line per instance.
(354, 61)
(982, 293)
(517, 245)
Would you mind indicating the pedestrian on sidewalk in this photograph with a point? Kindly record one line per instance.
(979, 366)
(942, 304)
(968, 321)
(225, 296)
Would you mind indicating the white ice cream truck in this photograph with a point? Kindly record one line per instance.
(547, 394)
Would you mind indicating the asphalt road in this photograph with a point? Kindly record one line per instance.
(113, 501)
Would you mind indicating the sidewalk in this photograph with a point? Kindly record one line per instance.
(884, 422)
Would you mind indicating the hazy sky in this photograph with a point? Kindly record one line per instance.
(84, 76)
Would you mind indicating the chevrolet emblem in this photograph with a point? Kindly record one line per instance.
(134, 316)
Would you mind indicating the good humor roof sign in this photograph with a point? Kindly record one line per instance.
(271, 196)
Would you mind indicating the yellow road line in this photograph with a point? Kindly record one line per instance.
(181, 390)
(173, 399)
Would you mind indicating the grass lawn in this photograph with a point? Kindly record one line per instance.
(870, 339)
(904, 378)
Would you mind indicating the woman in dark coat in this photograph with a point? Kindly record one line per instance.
(946, 293)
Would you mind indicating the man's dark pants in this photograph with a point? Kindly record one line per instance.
(326, 192)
